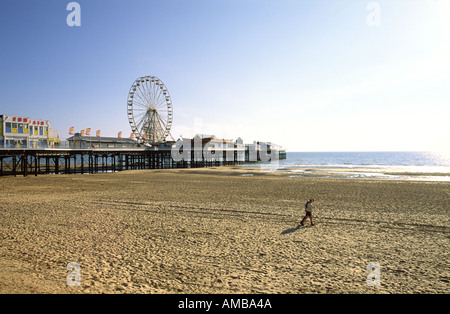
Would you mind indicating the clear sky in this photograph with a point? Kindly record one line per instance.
(309, 75)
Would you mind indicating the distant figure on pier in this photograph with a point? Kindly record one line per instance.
(308, 212)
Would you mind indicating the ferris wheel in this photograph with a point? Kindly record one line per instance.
(150, 110)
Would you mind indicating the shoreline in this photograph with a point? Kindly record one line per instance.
(369, 173)
(214, 230)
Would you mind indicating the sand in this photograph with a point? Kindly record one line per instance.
(221, 230)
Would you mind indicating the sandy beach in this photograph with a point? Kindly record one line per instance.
(221, 230)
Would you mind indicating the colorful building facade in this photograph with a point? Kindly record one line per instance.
(23, 132)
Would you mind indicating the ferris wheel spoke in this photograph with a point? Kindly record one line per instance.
(140, 115)
(140, 109)
(139, 119)
(163, 115)
(158, 106)
(160, 102)
(160, 120)
(143, 95)
(139, 98)
(141, 101)
(137, 89)
(154, 87)
(151, 96)
(162, 106)
(157, 91)
(139, 123)
(139, 126)
(141, 105)
(156, 102)
(148, 87)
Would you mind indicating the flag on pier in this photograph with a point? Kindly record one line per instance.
(82, 132)
(88, 132)
(71, 130)
(119, 135)
(98, 133)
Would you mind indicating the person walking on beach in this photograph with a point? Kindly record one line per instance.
(308, 212)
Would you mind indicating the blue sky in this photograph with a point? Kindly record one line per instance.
(309, 75)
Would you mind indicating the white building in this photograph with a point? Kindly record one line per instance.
(23, 132)
(217, 149)
(212, 148)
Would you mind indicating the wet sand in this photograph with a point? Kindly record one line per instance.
(222, 230)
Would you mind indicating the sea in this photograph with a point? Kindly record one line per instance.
(424, 166)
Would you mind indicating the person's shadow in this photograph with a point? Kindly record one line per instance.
(291, 230)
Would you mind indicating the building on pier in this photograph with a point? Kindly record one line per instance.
(77, 141)
(207, 146)
(23, 132)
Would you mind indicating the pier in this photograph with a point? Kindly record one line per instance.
(35, 161)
